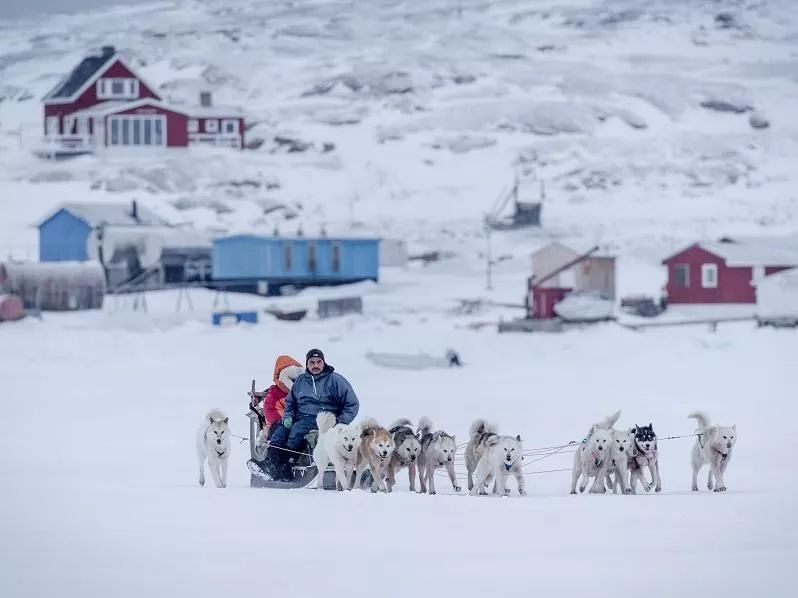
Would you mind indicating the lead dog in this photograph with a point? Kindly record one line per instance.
(713, 447)
(592, 458)
(501, 456)
(437, 450)
(376, 447)
(337, 444)
(407, 446)
(213, 445)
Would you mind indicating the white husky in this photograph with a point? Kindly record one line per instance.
(337, 444)
(712, 447)
(592, 458)
(501, 456)
(622, 453)
(213, 444)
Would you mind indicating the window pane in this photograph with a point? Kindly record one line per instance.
(138, 125)
(147, 131)
(288, 262)
(682, 273)
(114, 131)
(125, 131)
(312, 257)
(158, 132)
(118, 87)
(336, 258)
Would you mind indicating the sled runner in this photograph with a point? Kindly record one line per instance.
(304, 469)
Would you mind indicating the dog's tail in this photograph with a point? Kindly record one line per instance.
(424, 426)
(367, 425)
(481, 426)
(325, 421)
(702, 419)
(399, 423)
(609, 421)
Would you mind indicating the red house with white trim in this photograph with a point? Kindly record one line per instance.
(725, 271)
(104, 104)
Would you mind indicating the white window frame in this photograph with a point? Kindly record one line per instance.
(105, 88)
(211, 125)
(226, 123)
(136, 122)
(193, 125)
(69, 124)
(52, 125)
(709, 276)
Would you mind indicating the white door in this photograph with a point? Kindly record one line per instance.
(51, 125)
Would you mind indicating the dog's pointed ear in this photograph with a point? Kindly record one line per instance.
(454, 437)
(734, 427)
(226, 419)
(518, 437)
(650, 425)
(210, 419)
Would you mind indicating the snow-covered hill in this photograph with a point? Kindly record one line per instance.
(637, 115)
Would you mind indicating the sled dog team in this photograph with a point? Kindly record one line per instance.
(386, 451)
(615, 459)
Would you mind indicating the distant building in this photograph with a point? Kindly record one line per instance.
(56, 286)
(726, 271)
(559, 270)
(137, 248)
(264, 263)
(66, 233)
(104, 104)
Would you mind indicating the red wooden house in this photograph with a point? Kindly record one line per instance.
(104, 104)
(725, 271)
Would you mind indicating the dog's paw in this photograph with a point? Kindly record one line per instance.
(627, 490)
(720, 489)
(522, 492)
(457, 488)
(431, 492)
(658, 489)
(573, 491)
(717, 490)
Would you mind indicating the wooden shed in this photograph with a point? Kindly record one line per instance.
(54, 286)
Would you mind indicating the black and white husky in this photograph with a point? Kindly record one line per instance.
(437, 450)
(713, 447)
(647, 456)
(407, 447)
(213, 446)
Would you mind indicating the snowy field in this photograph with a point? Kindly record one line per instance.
(639, 117)
(100, 490)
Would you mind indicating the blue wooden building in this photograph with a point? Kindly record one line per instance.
(64, 234)
(264, 263)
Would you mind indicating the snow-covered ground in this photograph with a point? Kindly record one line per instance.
(638, 118)
(100, 492)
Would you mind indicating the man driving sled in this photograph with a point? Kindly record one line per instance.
(320, 388)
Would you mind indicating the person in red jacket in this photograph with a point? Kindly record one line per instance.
(286, 370)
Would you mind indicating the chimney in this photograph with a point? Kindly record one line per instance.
(205, 98)
(134, 211)
(108, 50)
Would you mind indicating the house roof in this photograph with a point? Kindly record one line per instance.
(81, 74)
(212, 111)
(113, 106)
(114, 214)
(755, 251)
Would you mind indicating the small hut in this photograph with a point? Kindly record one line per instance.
(54, 286)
